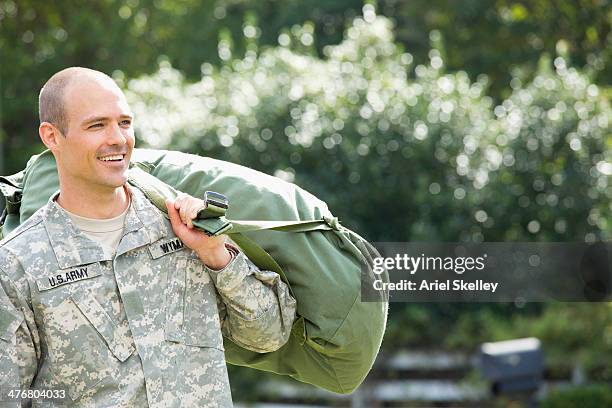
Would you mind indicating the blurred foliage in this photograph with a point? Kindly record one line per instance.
(354, 128)
(494, 126)
(589, 396)
(493, 37)
(500, 38)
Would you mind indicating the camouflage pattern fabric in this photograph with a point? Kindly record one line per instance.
(142, 329)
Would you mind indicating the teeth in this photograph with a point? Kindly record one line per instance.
(109, 158)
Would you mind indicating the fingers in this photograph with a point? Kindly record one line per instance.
(173, 214)
(188, 208)
(181, 204)
(192, 238)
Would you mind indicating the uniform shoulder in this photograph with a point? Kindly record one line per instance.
(31, 228)
(19, 245)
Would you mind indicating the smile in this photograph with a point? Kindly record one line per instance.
(112, 158)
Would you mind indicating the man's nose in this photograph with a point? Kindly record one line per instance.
(116, 135)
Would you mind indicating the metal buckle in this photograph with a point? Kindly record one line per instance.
(216, 199)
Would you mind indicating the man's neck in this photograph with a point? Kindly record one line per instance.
(98, 205)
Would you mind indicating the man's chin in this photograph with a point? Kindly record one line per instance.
(114, 182)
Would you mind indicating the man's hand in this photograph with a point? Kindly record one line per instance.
(210, 250)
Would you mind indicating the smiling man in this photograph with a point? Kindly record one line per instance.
(104, 302)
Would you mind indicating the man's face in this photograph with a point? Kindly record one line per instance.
(96, 149)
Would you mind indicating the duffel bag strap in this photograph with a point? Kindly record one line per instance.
(212, 219)
(157, 191)
(324, 224)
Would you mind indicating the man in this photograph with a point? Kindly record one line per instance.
(104, 299)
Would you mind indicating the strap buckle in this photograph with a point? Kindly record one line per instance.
(212, 198)
(211, 219)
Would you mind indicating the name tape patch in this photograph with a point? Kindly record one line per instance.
(166, 247)
(65, 276)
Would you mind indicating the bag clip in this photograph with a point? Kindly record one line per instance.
(211, 219)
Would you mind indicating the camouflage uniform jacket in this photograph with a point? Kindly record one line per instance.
(142, 329)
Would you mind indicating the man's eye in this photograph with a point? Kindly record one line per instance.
(95, 125)
(126, 122)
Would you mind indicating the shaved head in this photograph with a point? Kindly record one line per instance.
(51, 102)
(86, 122)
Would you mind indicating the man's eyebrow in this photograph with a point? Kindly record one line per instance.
(94, 119)
(104, 118)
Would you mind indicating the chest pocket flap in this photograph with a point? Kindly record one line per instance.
(117, 341)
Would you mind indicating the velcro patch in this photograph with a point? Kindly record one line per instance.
(65, 276)
(165, 247)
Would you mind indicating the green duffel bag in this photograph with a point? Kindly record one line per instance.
(336, 336)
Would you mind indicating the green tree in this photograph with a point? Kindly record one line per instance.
(495, 38)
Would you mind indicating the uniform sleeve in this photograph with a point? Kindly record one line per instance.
(19, 353)
(259, 307)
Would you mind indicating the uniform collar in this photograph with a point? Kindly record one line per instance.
(143, 225)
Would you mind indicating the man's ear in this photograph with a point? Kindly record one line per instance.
(50, 135)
